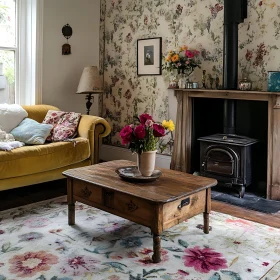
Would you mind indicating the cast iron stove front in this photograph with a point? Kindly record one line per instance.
(227, 158)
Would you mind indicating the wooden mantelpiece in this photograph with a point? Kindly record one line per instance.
(184, 126)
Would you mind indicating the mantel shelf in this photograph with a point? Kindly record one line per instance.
(229, 94)
(227, 91)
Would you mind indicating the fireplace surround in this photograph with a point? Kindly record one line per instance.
(181, 157)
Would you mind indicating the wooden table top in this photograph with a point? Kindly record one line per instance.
(171, 185)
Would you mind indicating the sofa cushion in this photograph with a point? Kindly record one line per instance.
(31, 132)
(10, 116)
(41, 158)
(65, 124)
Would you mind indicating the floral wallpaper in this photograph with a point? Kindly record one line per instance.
(195, 23)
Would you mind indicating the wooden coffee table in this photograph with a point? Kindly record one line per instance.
(159, 205)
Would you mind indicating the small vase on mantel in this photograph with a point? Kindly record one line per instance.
(245, 83)
(146, 163)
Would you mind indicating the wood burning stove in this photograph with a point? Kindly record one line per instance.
(227, 158)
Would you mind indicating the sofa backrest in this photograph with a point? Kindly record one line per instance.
(38, 112)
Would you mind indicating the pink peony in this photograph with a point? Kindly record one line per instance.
(144, 117)
(159, 130)
(189, 54)
(126, 134)
(149, 123)
(204, 260)
(140, 131)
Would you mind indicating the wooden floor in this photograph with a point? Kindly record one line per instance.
(26, 195)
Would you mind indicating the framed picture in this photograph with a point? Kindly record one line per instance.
(149, 56)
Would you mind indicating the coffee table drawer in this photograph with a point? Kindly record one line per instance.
(136, 208)
(183, 208)
(87, 191)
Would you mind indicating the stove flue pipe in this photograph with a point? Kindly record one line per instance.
(234, 13)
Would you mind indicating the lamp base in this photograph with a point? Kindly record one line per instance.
(89, 103)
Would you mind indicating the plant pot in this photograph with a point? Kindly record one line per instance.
(146, 163)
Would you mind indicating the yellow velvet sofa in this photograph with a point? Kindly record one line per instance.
(35, 164)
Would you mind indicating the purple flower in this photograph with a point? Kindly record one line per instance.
(126, 134)
(159, 130)
(140, 131)
(203, 260)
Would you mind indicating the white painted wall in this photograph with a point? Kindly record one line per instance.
(61, 73)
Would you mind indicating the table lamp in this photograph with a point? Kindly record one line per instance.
(90, 83)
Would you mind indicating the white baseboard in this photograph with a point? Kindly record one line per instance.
(108, 153)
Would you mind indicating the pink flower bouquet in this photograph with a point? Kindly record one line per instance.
(143, 136)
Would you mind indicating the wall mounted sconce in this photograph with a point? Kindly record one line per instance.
(67, 33)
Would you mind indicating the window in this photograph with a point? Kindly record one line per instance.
(21, 51)
(8, 50)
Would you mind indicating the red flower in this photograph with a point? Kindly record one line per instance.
(265, 263)
(2, 231)
(159, 130)
(260, 3)
(189, 54)
(203, 260)
(140, 131)
(144, 117)
(30, 263)
(126, 134)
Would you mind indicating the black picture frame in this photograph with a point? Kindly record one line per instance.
(149, 56)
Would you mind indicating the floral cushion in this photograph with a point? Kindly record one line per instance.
(65, 125)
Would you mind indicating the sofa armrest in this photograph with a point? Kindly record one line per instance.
(93, 128)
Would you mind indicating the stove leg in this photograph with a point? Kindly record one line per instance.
(241, 191)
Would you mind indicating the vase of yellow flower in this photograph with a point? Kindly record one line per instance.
(142, 137)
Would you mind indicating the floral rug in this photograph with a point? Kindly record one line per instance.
(37, 243)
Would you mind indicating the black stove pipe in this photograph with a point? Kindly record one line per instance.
(234, 13)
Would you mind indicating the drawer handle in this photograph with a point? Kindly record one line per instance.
(86, 192)
(183, 203)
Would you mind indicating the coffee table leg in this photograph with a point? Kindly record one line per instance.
(71, 203)
(206, 222)
(207, 211)
(156, 256)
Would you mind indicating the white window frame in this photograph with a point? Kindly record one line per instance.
(28, 76)
(14, 49)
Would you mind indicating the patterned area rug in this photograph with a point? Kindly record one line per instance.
(37, 243)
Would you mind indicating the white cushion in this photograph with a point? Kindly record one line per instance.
(11, 115)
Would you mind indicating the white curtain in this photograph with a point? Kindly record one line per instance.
(29, 55)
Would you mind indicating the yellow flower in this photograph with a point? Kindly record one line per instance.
(168, 125)
(185, 48)
(175, 58)
(272, 5)
(168, 58)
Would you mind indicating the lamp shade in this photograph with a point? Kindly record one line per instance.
(90, 81)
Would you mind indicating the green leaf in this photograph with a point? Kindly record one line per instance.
(5, 247)
(174, 249)
(233, 275)
(216, 276)
(183, 243)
